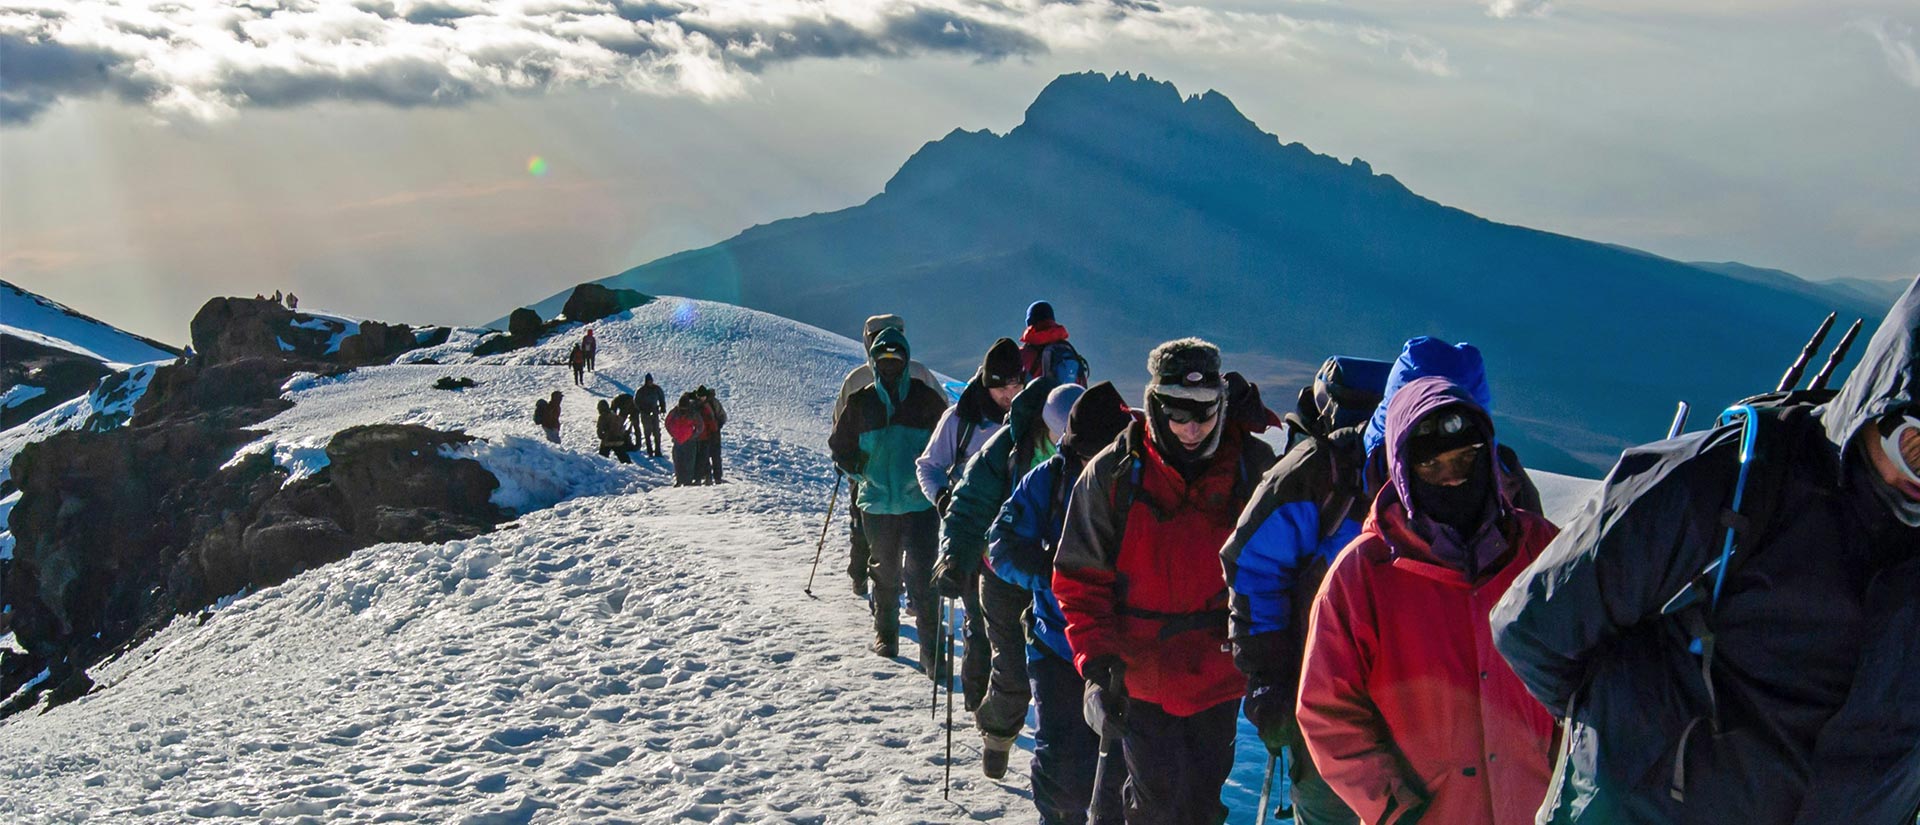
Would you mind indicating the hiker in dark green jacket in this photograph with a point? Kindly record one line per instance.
(1018, 447)
(884, 428)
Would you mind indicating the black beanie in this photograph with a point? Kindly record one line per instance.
(1001, 364)
(1038, 312)
(1096, 420)
(1448, 428)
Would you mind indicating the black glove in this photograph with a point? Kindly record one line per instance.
(948, 579)
(1270, 710)
(1104, 702)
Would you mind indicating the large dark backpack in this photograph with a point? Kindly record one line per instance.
(540, 412)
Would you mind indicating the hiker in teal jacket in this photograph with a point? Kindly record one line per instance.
(884, 428)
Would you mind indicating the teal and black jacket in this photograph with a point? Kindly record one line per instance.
(880, 434)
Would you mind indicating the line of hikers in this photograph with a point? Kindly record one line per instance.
(1728, 632)
(627, 424)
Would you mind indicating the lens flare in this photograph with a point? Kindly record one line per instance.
(683, 314)
(537, 166)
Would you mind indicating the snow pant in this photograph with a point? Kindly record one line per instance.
(619, 451)
(1066, 752)
(905, 545)
(713, 457)
(858, 553)
(1004, 710)
(683, 461)
(590, 355)
(578, 378)
(1176, 765)
(650, 433)
(976, 667)
(1314, 802)
(553, 434)
(702, 462)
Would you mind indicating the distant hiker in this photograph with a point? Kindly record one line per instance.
(963, 430)
(546, 413)
(1308, 508)
(276, 297)
(1801, 703)
(293, 301)
(1397, 672)
(884, 427)
(259, 296)
(1017, 448)
(688, 428)
(590, 347)
(857, 379)
(614, 438)
(1021, 550)
(716, 418)
(650, 402)
(577, 358)
(1044, 350)
(624, 412)
(1138, 579)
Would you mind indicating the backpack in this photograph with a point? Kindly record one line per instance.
(540, 412)
(1061, 362)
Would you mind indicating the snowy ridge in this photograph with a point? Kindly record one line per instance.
(41, 321)
(109, 404)
(624, 652)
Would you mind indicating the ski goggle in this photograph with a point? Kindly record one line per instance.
(1180, 413)
(1909, 424)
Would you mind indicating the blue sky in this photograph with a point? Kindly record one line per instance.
(373, 156)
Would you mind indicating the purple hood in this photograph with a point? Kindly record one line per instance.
(1415, 401)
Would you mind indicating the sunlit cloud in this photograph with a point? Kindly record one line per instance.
(1517, 8)
(1896, 45)
(209, 60)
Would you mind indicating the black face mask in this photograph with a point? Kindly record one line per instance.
(1460, 507)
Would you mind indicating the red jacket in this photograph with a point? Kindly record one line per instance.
(1403, 698)
(1160, 601)
(685, 425)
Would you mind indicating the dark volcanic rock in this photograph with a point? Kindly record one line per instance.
(592, 302)
(62, 374)
(230, 329)
(523, 323)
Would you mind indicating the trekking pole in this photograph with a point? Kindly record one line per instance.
(1819, 381)
(1679, 420)
(1100, 767)
(946, 786)
(1286, 805)
(1800, 364)
(822, 546)
(1266, 792)
(933, 706)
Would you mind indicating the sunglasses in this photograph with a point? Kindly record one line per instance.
(1891, 444)
(1184, 415)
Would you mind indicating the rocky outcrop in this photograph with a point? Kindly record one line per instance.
(592, 302)
(230, 329)
(35, 378)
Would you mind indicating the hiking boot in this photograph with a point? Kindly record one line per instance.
(859, 585)
(993, 761)
(886, 647)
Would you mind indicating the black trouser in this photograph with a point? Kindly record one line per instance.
(650, 432)
(976, 668)
(618, 451)
(1314, 802)
(905, 546)
(713, 456)
(858, 553)
(1066, 752)
(684, 463)
(1004, 607)
(1176, 765)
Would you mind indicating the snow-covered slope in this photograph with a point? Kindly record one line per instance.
(45, 322)
(631, 653)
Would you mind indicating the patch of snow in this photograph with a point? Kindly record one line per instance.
(6, 530)
(48, 323)
(20, 394)
(98, 409)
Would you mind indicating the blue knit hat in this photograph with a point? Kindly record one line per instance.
(1039, 311)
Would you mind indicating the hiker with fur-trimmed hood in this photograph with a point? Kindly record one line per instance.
(1406, 709)
(857, 379)
(1138, 579)
(884, 428)
(1802, 705)
(964, 429)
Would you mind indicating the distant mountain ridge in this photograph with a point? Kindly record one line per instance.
(1144, 215)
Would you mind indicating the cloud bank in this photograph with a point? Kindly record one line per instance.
(208, 60)
(1897, 46)
(1517, 8)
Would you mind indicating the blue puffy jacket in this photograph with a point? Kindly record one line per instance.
(1021, 542)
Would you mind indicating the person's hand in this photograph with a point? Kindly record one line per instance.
(947, 578)
(1270, 710)
(1105, 698)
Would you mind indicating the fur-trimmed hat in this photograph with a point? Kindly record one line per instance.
(1187, 368)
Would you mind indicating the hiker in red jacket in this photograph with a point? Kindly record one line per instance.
(1044, 350)
(687, 427)
(1407, 709)
(1139, 581)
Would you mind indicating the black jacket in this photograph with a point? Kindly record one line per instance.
(1816, 669)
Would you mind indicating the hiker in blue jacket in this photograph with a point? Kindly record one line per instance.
(1020, 551)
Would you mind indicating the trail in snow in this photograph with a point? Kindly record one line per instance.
(631, 653)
